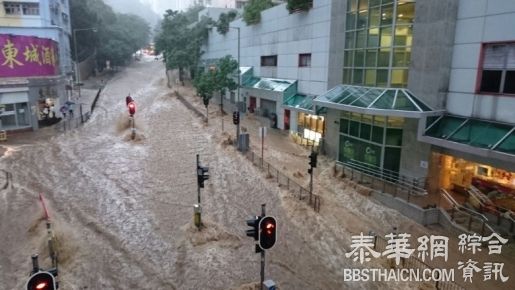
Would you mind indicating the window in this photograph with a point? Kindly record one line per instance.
(270, 60)
(498, 71)
(304, 59)
(18, 8)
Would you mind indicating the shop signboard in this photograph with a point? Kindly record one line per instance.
(23, 56)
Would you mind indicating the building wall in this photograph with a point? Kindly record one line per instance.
(285, 35)
(53, 22)
(478, 22)
(429, 72)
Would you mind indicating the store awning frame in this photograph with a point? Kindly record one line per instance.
(452, 126)
(397, 102)
(300, 103)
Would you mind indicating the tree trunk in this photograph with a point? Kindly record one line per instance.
(180, 76)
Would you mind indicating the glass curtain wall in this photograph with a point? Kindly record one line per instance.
(372, 140)
(378, 39)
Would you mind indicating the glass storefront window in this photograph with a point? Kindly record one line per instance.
(354, 128)
(362, 19)
(395, 122)
(400, 79)
(383, 59)
(349, 39)
(405, 12)
(351, 21)
(357, 77)
(300, 119)
(382, 78)
(375, 17)
(374, 2)
(401, 57)
(394, 137)
(392, 158)
(373, 37)
(352, 5)
(386, 15)
(386, 37)
(377, 134)
(357, 150)
(403, 35)
(347, 74)
(348, 58)
(365, 131)
(22, 114)
(361, 38)
(371, 59)
(370, 77)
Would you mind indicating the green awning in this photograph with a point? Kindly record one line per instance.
(471, 135)
(277, 85)
(375, 101)
(300, 102)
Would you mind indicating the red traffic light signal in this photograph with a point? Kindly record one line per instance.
(236, 118)
(41, 281)
(132, 108)
(267, 232)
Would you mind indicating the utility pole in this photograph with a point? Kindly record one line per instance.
(239, 85)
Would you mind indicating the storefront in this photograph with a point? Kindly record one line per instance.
(306, 127)
(459, 175)
(14, 110)
(370, 124)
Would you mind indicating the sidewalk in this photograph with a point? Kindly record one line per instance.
(88, 93)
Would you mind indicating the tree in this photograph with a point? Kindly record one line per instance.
(222, 25)
(205, 83)
(118, 35)
(252, 11)
(299, 5)
(224, 76)
(179, 41)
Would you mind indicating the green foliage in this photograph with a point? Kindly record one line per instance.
(218, 79)
(179, 41)
(295, 5)
(222, 25)
(118, 35)
(252, 11)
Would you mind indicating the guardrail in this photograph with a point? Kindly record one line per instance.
(282, 179)
(72, 123)
(498, 211)
(472, 215)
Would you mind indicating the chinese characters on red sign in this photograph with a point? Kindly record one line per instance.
(22, 56)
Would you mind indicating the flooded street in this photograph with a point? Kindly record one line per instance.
(122, 210)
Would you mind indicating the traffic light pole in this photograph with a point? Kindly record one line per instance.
(311, 185)
(198, 185)
(263, 213)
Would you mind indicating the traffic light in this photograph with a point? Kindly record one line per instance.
(41, 281)
(236, 118)
(202, 175)
(267, 232)
(313, 159)
(132, 108)
(254, 224)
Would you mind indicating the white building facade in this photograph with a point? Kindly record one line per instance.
(286, 47)
(37, 63)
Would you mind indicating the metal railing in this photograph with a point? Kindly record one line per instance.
(470, 214)
(409, 190)
(283, 180)
(67, 124)
(485, 204)
(414, 262)
(8, 179)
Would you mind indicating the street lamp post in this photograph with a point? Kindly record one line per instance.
(239, 84)
(77, 72)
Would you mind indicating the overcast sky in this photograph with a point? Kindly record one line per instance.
(160, 6)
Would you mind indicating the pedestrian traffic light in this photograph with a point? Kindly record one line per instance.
(254, 224)
(267, 232)
(313, 159)
(132, 108)
(236, 118)
(41, 281)
(202, 175)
